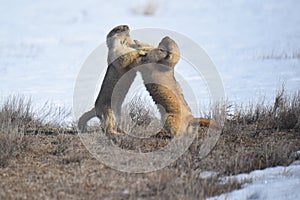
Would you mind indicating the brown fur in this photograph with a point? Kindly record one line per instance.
(160, 82)
(123, 55)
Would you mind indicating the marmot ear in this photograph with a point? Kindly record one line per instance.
(165, 43)
(166, 38)
(137, 43)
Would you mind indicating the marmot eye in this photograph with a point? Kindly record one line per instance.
(119, 31)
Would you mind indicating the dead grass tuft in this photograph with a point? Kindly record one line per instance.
(17, 118)
(278, 55)
(15, 115)
(282, 115)
(148, 8)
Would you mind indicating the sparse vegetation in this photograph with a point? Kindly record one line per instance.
(283, 114)
(277, 55)
(148, 8)
(17, 118)
(15, 115)
(51, 164)
(139, 117)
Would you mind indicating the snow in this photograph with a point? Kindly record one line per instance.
(43, 44)
(207, 174)
(271, 183)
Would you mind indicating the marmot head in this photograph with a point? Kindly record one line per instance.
(172, 49)
(117, 33)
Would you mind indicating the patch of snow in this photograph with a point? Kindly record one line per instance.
(296, 162)
(271, 183)
(207, 174)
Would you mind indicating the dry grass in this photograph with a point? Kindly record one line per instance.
(15, 115)
(277, 55)
(148, 8)
(137, 118)
(17, 118)
(283, 114)
(58, 166)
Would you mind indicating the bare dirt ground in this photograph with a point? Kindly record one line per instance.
(60, 167)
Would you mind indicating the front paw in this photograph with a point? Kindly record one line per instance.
(141, 52)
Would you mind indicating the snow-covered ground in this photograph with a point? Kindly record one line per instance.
(44, 43)
(268, 184)
(255, 46)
